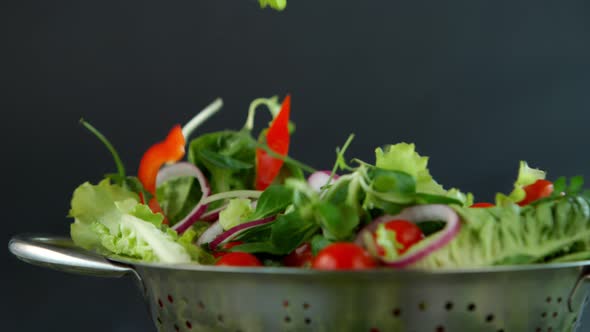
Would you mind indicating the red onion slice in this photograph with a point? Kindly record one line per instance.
(237, 230)
(210, 233)
(213, 215)
(183, 169)
(417, 214)
(319, 179)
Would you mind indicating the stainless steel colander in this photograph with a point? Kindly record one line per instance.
(208, 298)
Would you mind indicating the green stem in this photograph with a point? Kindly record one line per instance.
(340, 155)
(105, 141)
(286, 159)
(201, 117)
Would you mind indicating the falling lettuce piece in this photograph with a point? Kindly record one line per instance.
(274, 4)
(511, 234)
(110, 220)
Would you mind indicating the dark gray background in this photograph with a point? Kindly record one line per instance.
(478, 85)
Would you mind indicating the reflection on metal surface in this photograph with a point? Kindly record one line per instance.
(205, 298)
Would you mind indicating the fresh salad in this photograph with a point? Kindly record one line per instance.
(236, 198)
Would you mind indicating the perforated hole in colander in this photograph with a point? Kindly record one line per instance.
(449, 306)
(300, 314)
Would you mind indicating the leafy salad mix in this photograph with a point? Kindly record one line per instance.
(239, 200)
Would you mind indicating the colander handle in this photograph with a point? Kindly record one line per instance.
(584, 276)
(61, 254)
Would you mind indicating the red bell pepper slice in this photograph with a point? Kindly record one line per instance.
(539, 189)
(168, 151)
(277, 139)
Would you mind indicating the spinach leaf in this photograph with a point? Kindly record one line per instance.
(283, 236)
(227, 159)
(223, 161)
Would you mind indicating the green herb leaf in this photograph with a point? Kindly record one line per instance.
(319, 242)
(337, 221)
(272, 201)
(576, 185)
(256, 247)
(436, 199)
(290, 231)
(223, 161)
(395, 183)
(109, 146)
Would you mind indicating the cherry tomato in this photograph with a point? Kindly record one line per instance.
(482, 205)
(537, 190)
(226, 247)
(238, 259)
(406, 233)
(343, 256)
(302, 256)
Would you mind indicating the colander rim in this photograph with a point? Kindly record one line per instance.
(267, 270)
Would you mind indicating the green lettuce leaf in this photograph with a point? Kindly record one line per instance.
(526, 176)
(198, 254)
(110, 219)
(178, 197)
(386, 239)
(235, 213)
(274, 4)
(402, 157)
(510, 234)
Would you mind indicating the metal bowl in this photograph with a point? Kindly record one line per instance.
(543, 297)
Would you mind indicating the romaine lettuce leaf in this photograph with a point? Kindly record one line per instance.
(178, 197)
(511, 234)
(110, 219)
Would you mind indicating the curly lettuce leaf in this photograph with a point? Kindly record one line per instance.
(510, 234)
(402, 157)
(110, 219)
